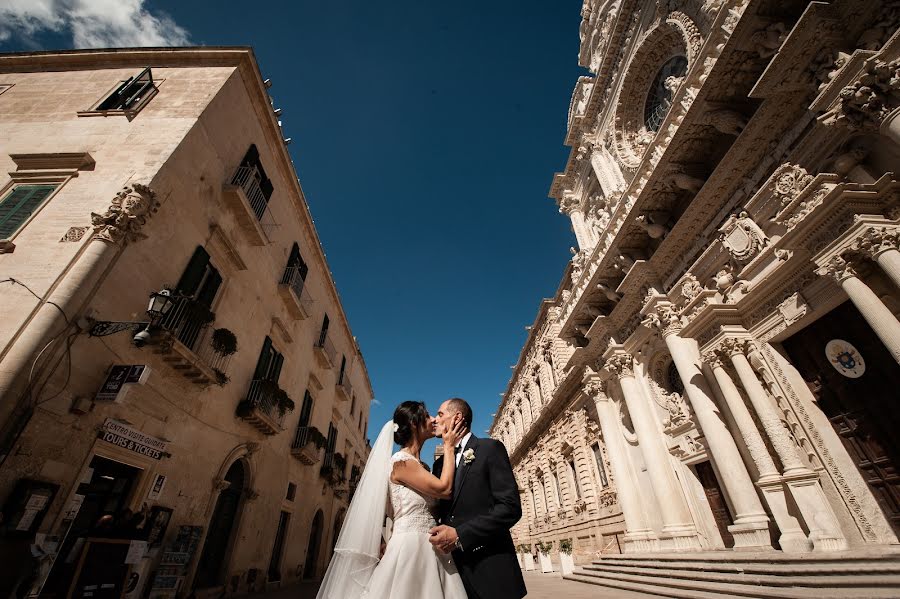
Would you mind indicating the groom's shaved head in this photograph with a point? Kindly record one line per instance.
(457, 404)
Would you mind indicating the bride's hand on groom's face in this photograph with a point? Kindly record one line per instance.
(455, 433)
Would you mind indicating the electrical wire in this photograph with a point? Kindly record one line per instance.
(39, 298)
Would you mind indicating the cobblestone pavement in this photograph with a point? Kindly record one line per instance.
(540, 586)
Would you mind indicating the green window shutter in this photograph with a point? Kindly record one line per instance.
(193, 274)
(265, 360)
(20, 204)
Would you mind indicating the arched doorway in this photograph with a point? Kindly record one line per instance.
(315, 541)
(210, 568)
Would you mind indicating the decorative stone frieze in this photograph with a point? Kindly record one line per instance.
(126, 215)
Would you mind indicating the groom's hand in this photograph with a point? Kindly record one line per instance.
(444, 538)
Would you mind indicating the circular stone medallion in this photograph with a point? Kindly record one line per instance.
(845, 358)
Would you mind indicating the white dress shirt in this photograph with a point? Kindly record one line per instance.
(461, 446)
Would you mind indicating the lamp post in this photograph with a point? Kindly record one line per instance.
(160, 304)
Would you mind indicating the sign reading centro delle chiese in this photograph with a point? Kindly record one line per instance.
(119, 433)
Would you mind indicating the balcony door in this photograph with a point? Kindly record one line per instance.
(296, 270)
(268, 367)
(323, 334)
(198, 285)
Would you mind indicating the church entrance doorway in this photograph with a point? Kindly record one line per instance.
(856, 381)
(716, 498)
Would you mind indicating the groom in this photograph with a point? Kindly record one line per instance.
(475, 522)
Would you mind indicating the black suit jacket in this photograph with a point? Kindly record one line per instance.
(484, 506)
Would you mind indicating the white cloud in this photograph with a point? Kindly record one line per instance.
(375, 402)
(91, 23)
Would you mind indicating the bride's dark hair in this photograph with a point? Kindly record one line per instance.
(409, 417)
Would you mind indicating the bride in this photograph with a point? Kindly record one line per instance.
(399, 485)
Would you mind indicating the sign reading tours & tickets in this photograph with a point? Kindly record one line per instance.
(119, 433)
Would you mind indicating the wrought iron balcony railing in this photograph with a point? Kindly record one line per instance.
(247, 178)
(326, 351)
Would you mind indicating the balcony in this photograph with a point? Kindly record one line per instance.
(344, 389)
(186, 342)
(308, 445)
(333, 468)
(249, 205)
(294, 294)
(325, 352)
(265, 407)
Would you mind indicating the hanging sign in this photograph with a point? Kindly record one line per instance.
(845, 358)
(119, 376)
(119, 433)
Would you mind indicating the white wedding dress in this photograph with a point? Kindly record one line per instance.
(411, 568)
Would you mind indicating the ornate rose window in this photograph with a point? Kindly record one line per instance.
(655, 72)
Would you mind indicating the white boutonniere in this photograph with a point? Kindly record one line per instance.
(469, 456)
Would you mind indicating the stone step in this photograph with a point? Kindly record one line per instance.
(851, 579)
(885, 567)
(700, 589)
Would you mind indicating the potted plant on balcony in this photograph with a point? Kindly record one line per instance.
(544, 550)
(224, 342)
(566, 563)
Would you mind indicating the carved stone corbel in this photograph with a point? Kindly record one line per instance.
(126, 216)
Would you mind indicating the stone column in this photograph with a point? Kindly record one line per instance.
(544, 374)
(751, 525)
(792, 539)
(675, 514)
(112, 231)
(571, 207)
(639, 537)
(881, 244)
(824, 531)
(525, 410)
(879, 317)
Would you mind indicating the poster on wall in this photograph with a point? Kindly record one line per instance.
(157, 487)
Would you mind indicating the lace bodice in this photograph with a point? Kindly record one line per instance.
(412, 511)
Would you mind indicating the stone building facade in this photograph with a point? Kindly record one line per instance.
(234, 413)
(718, 368)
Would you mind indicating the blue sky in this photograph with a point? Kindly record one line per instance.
(425, 134)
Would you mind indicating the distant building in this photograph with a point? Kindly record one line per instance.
(718, 370)
(236, 413)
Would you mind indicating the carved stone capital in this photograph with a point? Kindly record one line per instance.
(569, 205)
(877, 240)
(732, 346)
(866, 102)
(126, 216)
(595, 389)
(839, 268)
(620, 365)
(666, 319)
(714, 359)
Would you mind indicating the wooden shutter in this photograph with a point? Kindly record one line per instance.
(194, 272)
(20, 204)
(277, 363)
(306, 410)
(265, 360)
(324, 332)
(343, 367)
(210, 286)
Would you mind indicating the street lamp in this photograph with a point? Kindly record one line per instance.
(160, 304)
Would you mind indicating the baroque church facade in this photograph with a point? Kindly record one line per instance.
(718, 369)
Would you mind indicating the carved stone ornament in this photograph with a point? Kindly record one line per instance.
(729, 122)
(877, 240)
(595, 389)
(865, 103)
(569, 204)
(126, 215)
(789, 180)
(742, 237)
(74, 234)
(732, 346)
(793, 308)
(839, 268)
(690, 287)
(620, 365)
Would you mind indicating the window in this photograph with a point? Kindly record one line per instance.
(132, 94)
(343, 368)
(323, 334)
(352, 404)
(291, 492)
(574, 473)
(268, 367)
(251, 177)
(19, 204)
(556, 492)
(661, 90)
(330, 443)
(196, 290)
(598, 458)
(296, 270)
(306, 410)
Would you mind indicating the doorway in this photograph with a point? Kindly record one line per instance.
(312, 551)
(855, 382)
(104, 514)
(278, 549)
(210, 568)
(716, 499)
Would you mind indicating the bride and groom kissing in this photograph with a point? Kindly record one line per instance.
(450, 536)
